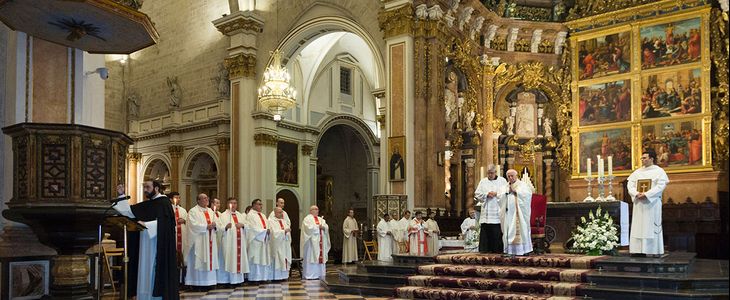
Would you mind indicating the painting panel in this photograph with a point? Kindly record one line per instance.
(675, 93)
(605, 103)
(28, 279)
(611, 142)
(396, 162)
(526, 115)
(604, 55)
(676, 143)
(672, 43)
(287, 163)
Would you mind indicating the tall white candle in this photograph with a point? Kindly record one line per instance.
(499, 171)
(610, 165)
(481, 172)
(600, 167)
(588, 166)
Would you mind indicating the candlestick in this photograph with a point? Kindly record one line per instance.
(499, 173)
(481, 172)
(588, 166)
(600, 167)
(610, 196)
(589, 198)
(610, 166)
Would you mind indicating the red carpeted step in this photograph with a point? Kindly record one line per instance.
(505, 272)
(555, 288)
(545, 260)
(412, 292)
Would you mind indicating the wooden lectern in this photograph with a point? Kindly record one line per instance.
(127, 224)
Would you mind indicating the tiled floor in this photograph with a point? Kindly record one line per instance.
(293, 289)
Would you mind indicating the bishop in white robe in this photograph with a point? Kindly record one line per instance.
(645, 186)
(469, 231)
(349, 242)
(417, 233)
(315, 244)
(385, 239)
(235, 254)
(280, 203)
(434, 244)
(202, 260)
(280, 244)
(515, 211)
(489, 193)
(258, 236)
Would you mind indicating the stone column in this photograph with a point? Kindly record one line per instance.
(549, 179)
(176, 152)
(132, 180)
(470, 162)
(224, 143)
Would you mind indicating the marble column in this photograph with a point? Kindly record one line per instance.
(176, 152)
(224, 144)
(132, 180)
(548, 179)
(470, 174)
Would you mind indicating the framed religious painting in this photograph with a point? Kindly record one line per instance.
(607, 53)
(679, 143)
(287, 163)
(615, 142)
(671, 93)
(28, 279)
(397, 158)
(672, 42)
(602, 103)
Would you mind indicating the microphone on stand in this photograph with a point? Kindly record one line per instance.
(119, 199)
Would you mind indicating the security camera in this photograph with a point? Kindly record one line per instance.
(103, 73)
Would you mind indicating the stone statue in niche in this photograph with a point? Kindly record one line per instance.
(526, 119)
(510, 125)
(468, 119)
(133, 105)
(221, 82)
(175, 92)
(450, 100)
(547, 127)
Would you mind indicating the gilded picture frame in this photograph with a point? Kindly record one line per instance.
(397, 158)
(691, 105)
(604, 102)
(681, 144)
(606, 141)
(287, 163)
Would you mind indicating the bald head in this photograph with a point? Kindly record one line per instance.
(314, 210)
(511, 175)
(280, 202)
(203, 200)
(278, 213)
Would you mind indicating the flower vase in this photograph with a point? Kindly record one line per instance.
(594, 252)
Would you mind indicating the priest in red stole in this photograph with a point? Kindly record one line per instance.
(315, 239)
(235, 256)
(258, 236)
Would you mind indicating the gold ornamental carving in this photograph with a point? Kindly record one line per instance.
(265, 139)
(176, 151)
(396, 21)
(244, 24)
(721, 98)
(241, 65)
(134, 156)
(70, 270)
(590, 14)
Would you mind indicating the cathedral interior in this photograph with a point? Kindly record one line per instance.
(379, 106)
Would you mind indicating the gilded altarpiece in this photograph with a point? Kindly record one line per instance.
(643, 85)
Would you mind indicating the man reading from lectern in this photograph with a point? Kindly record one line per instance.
(160, 248)
(645, 186)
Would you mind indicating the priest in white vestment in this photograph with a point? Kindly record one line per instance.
(181, 230)
(349, 242)
(315, 244)
(385, 239)
(400, 233)
(469, 231)
(235, 254)
(258, 236)
(280, 244)
(489, 192)
(434, 244)
(222, 277)
(645, 186)
(417, 233)
(280, 203)
(202, 259)
(515, 211)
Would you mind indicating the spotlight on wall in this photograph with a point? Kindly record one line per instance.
(103, 73)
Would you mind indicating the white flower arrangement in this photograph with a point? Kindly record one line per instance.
(596, 235)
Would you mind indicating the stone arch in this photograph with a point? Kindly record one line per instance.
(157, 167)
(293, 209)
(200, 174)
(361, 130)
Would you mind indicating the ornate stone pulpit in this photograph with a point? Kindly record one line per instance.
(65, 175)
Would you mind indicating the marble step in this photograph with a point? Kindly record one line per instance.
(624, 293)
(377, 278)
(333, 284)
(413, 259)
(506, 272)
(502, 285)
(673, 262)
(387, 268)
(412, 292)
(545, 260)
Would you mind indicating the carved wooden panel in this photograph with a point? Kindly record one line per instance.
(54, 170)
(21, 166)
(95, 172)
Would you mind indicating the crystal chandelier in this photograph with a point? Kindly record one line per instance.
(275, 94)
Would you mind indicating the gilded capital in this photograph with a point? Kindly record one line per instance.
(224, 143)
(176, 151)
(265, 139)
(307, 150)
(241, 65)
(134, 156)
(396, 21)
(240, 24)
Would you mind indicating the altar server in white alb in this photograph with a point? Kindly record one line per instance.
(235, 254)
(489, 192)
(181, 230)
(400, 233)
(434, 245)
(202, 259)
(280, 244)
(349, 241)
(469, 230)
(258, 236)
(385, 239)
(515, 211)
(417, 233)
(645, 186)
(315, 244)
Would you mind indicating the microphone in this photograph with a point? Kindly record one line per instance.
(121, 198)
